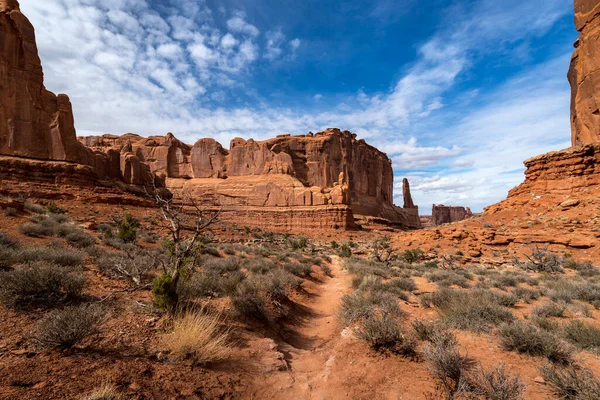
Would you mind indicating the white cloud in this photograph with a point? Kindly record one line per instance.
(237, 24)
(128, 68)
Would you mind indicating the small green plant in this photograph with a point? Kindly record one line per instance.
(164, 292)
(127, 228)
(345, 251)
(334, 245)
(412, 256)
(53, 208)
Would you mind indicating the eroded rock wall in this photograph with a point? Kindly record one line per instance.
(584, 75)
(442, 214)
(322, 169)
(34, 122)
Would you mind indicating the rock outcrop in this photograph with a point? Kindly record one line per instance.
(37, 124)
(330, 168)
(584, 75)
(442, 214)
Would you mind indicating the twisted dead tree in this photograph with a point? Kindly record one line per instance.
(186, 223)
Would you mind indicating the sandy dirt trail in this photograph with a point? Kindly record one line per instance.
(310, 350)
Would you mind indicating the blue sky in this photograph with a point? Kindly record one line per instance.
(458, 93)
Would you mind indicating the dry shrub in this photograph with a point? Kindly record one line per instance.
(550, 309)
(571, 383)
(382, 333)
(497, 385)
(68, 327)
(361, 304)
(449, 367)
(105, 392)
(198, 336)
(41, 284)
(583, 335)
(523, 337)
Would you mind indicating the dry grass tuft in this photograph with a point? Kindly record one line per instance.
(105, 392)
(198, 336)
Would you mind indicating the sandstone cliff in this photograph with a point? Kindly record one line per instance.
(37, 124)
(584, 74)
(442, 214)
(330, 168)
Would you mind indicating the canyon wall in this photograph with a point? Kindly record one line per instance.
(584, 75)
(329, 168)
(37, 124)
(442, 214)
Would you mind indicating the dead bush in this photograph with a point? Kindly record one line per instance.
(134, 264)
(197, 335)
(70, 326)
(541, 260)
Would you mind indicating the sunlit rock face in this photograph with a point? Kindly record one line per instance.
(584, 75)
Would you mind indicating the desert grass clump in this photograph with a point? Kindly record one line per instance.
(434, 332)
(550, 309)
(582, 335)
(571, 383)
(382, 332)
(198, 336)
(585, 269)
(70, 326)
(474, 310)
(544, 323)
(497, 385)
(523, 337)
(41, 284)
(106, 391)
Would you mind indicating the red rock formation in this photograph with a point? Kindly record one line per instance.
(584, 74)
(329, 168)
(34, 122)
(442, 214)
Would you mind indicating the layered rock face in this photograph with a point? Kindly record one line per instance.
(34, 122)
(325, 169)
(442, 214)
(584, 74)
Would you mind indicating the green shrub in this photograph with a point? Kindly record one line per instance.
(412, 256)
(41, 284)
(572, 383)
(70, 326)
(583, 335)
(345, 251)
(164, 292)
(334, 245)
(523, 337)
(127, 229)
(53, 208)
